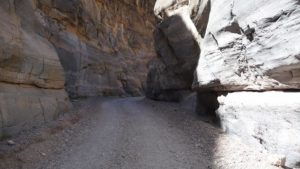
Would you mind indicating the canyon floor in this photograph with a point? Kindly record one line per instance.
(129, 133)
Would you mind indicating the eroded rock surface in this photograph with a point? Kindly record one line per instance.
(104, 46)
(269, 119)
(251, 45)
(86, 47)
(26, 57)
(243, 45)
(22, 107)
(31, 76)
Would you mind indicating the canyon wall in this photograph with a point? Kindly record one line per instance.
(84, 47)
(248, 66)
(252, 46)
(31, 76)
(104, 46)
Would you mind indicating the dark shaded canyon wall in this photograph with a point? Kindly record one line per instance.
(104, 46)
(84, 47)
(246, 69)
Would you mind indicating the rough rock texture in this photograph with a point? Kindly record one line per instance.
(25, 56)
(104, 46)
(23, 106)
(177, 44)
(267, 119)
(91, 47)
(244, 45)
(251, 45)
(31, 76)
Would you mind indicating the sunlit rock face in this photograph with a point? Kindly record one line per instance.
(177, 43)
(253, 46)
(104, 46)
(270, 120)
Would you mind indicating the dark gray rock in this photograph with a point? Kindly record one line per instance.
(177, 48)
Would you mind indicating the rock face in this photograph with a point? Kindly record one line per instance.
(23, 106)
(269, 119)
(243, 46)
(86, 47)
(31, 76)
(104, 46)
(251, 46)
(26, 57)
(177, 44)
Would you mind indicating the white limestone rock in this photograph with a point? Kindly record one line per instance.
(269, 120)
(250, 45)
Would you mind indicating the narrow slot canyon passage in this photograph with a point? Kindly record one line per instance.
(149, 84)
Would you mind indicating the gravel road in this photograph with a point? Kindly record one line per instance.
(136, 133)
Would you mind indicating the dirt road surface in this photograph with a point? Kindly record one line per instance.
(131, 133)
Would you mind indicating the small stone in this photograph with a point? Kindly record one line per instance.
(277, 160)
(43, 154)
(11, 142)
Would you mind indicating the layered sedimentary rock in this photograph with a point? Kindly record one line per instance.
(31, 76)
(177, 44)
(252, 45)
(104, 46)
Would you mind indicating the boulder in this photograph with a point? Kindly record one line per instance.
(177, 42)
